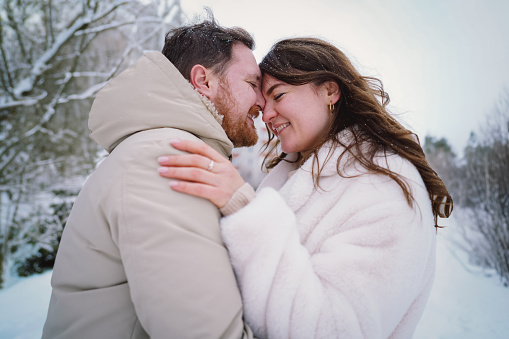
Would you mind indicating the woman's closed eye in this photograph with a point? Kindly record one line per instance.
(278, 96)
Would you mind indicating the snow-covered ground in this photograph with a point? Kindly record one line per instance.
(23, 307)
(464, 303)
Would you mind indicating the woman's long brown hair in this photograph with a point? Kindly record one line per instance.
(362, 108)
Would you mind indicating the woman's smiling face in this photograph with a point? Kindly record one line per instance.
(298, 115)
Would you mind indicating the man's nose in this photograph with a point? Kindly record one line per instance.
(260, 101)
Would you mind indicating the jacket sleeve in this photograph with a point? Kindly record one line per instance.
(181, 281)
(354, 273)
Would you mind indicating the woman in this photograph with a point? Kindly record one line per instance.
(339, 239)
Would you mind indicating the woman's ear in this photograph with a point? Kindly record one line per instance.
(333, 91)
(203, 80)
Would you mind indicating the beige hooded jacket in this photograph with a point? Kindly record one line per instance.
(138, 260)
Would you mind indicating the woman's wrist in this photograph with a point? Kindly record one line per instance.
(242, 196)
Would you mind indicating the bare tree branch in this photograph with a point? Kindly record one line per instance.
(14, 24)
(26, 85)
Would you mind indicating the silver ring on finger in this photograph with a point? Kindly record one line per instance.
(211, 166)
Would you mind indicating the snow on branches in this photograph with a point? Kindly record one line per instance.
(55, 55)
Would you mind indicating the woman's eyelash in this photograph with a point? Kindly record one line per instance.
(278, 96)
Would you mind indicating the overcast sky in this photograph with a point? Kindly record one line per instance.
(444, 63)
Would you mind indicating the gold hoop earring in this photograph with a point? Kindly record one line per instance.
(331, 108)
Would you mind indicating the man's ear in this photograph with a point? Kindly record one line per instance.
(333, 91)
(203, 80)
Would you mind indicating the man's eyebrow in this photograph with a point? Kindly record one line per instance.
(255, 76)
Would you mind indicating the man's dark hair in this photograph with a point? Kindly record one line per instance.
(205, 43)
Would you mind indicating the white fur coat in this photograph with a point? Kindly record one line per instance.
(354, 260)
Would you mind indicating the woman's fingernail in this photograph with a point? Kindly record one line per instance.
(173, 183)
(163, 159)
(162, 170)
(174, 141)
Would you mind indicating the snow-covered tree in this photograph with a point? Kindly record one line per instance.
(479, 185)
(55, 55)
(443, 160)
(485, 192)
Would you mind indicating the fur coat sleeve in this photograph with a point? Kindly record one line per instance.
(353, 260)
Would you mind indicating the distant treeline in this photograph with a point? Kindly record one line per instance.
(479, 185)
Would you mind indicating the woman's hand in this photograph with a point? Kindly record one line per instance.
(204, 173)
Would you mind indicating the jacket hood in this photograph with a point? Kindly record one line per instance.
(153, 94)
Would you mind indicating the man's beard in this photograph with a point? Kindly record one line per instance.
(236, 127)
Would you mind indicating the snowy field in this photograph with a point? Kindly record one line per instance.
(464, 303)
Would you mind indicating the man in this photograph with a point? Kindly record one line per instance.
(138, 260)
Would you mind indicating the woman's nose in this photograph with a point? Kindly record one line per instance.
(268, 113)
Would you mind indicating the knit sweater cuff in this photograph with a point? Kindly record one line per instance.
(242, 196)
